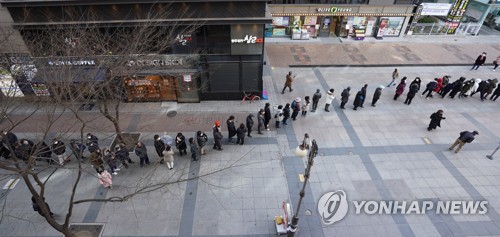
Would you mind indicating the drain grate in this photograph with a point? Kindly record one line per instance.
(171, 114)
(87, 230)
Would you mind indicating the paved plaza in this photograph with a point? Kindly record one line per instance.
(374, 153)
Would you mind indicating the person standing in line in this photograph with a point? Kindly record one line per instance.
(217, 136)
(465, 137)
(260, 121)
(278, 116)
(496, 62)
(288, 82)
(92, 142)
(168, 154)
(286, 113)
(395, 76)
(447, 88)
(479, 61)
(363, 93)
(109, 158)
(489, 89)
(231, 129)
(475, 87)
(439, 85)
(400, 88)
(77, 149)
(38, 209)
(96, 160)
(445, 82)
(411, 93)
(344, 97)
(429, 88)
(159, 147)
(202, 139)
(267, 116)
(194, 149)
(329, 99)
(376, 95)
(105, 178)
(180, 143)
(357, 100)
(142, 153)
(457, 87)
(496, 94)
(305, 106)
(249, 124)
(240, 134)
(483, 88)
(296, 108)
(315, 100)
(59, 148)
(435, 120)
(466, 88)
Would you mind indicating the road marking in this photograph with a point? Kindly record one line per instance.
(301, 178)
(427, 140)
(11, 184)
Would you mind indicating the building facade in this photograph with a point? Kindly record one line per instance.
(221, 56)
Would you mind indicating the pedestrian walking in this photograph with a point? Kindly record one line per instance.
(240, 134)
(344, 97)
(357, 100)
(329, 99)
(59, 148)
(38, 208)
(411, 93)
(395, 76)
(96, 160)
(105, 179)
(110, 159)
(435, 120)
(249, 123)
(479, 61)
(260, 121)
(168, 155)
(231, 129)
(267, 116)
(305, 106)
(286, 113)
(376, 95)
(288, 82)
(194, 149)
(495, 63)
(363, 94)
(159, 147)
(202, 139)
(495, 94)
(295, 108)
(278, 116)
(217, 133)
(180, 144)
(315, 100)
(457, 87)
(491, 86)
(465, 137)
(400, 88)
(142, 153)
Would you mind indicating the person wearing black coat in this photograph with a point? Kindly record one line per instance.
(457, 87)
(483, 87)
(448, 88)
(38, 209)
(260, 121)
(479, 61)
(358, 100)
(202, 139)
(180, 143)
(363, 93)
(344, 97)
(286, 113)
(92, 142)
(122, 154)
(465, 137)
(10, 137)
(142, 153)
(435, 120)
(159, 147)
(249, 124)
(429, 88)
(411, 93)
(240, 134)
(217, 136)
(59, 148)
(231, 129)
(267, 116)
(495, 94)
(376, 95)
(77, 149)
(42, 152)
(315, 100)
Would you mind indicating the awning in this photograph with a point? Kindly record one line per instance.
(76, 75)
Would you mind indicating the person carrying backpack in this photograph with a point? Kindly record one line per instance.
(465, 137)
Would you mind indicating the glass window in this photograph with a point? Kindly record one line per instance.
(250, 76)
(224, 77)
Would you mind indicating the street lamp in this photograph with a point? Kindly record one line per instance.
(313, 151)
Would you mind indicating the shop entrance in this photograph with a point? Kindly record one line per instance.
(324, 30)
(151, 88)
(335, 26)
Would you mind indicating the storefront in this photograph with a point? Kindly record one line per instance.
(17, 72)
(353, 21)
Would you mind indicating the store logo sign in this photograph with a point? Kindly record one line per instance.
(249, 39)
(155, 63)
(184, 39)
(332, 207)
(72, 63)
(334, 9)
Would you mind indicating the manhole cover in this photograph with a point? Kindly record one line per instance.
(171, 114)
(87, 230)
(308, 212)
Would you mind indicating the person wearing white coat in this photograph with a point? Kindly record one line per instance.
(168, 156)
(474, 88)
(329, 99)
(279, 116)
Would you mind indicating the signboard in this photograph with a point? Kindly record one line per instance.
(435, 9)
(333, 9)
(187, 78)
(455, 16)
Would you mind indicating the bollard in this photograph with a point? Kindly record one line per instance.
(491, 156)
